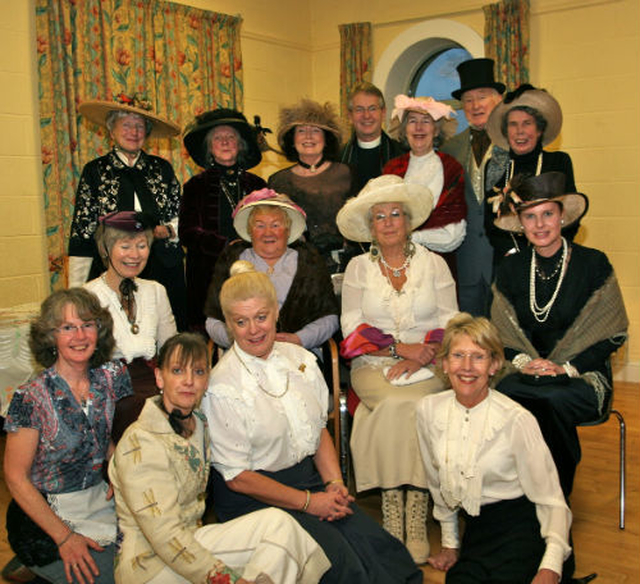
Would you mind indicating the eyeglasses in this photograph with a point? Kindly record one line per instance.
(382, 217)
(372, 109)
(475, 358)
(86, 327)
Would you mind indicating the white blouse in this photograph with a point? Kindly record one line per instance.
(426, 302)
(496, 453)
(427, 170)
(265, 414)
(153, 317)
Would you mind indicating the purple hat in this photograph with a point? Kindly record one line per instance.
(130, 221)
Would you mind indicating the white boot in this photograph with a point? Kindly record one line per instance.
(416, 520)
(393, 512)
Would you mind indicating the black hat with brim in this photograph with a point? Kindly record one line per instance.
(197, 130)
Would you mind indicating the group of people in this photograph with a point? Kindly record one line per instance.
(461, 273)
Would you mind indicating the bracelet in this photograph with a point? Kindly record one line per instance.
(570, 370)
(334, 482)
(306, 503)
(66, 539)
(393, 351)
(520, 360)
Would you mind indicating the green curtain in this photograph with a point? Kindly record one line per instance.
(183, 60)
(355, 59)
(506, 40)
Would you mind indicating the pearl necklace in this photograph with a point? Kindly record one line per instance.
(255, 377)
(397, 272)
(541, 313)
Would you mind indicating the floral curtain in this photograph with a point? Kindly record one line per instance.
(506, 40)
(183, 60)
(355, 59)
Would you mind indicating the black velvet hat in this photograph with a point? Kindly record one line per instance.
(196, 131)
(476, 73)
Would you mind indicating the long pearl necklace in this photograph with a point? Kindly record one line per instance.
(397, 272)
(541, 313)
(255, 377)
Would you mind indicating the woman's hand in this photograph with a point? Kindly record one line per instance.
(77, 560)
(444, 559)
(288, 338)
(423, 353)
(161, 232)
(404, 367)
(542, 367)
(330, 506)
(546, 576)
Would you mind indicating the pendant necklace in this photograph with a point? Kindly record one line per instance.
(397, 272)
(312, 167)
(255, 377)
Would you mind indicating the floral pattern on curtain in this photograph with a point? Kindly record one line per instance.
(355, 59)
(506, 40)
(183, 60)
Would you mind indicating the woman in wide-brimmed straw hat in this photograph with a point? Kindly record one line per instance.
(270, 225)
(309, 134)
(396, 300)
(225, 145)
(521, 126)
(129, 179)
(422, 123)
(558, 308)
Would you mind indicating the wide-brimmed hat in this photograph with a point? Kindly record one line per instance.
(425, 105)
(526, 95)
(196, 131)
(268, 197)
(309, 113)
(353, 219)
(96, 111)
(474, 74)
(525, 191)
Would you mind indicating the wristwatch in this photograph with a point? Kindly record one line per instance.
(393, 351)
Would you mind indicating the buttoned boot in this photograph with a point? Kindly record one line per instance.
(393, 512)
(416, 522)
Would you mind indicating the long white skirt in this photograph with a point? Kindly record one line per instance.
(384, 441)
(267, 543)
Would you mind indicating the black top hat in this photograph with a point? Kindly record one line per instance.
(196, 131)
(476, 73)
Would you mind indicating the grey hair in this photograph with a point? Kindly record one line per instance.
(106, 238)
(242, 146)
(405, 211)
(369, 89)
(541, 121)
(114, 115)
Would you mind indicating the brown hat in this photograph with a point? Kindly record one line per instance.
(309, 113)
(96, 111)
(525, 192)
(528, 96)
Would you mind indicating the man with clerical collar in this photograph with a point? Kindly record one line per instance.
(479, 94)
(369, 148)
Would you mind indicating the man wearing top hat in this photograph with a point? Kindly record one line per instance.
(479, 94)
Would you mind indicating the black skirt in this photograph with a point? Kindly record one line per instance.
(360, 551)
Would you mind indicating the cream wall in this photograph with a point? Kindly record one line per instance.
(291, 48)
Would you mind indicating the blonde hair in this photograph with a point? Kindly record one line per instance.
(246, 283)
(479, 329)
(266, 208)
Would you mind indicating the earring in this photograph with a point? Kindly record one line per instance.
(561, 221)
(374, 250)
(54, 351)
(409, 248)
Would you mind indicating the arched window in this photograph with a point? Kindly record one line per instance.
(437, 77)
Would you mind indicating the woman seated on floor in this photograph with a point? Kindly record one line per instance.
(61, 522)
(159, 473)
(485, 457)
(271, 225)
(267, 410)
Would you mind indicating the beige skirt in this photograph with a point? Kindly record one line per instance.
(384, 441)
